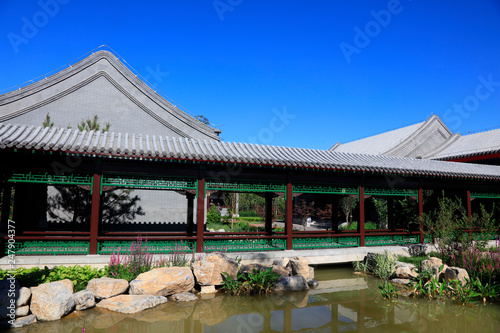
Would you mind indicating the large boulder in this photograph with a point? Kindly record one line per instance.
(208, 271)
(283, 262)
(405, 270)
(299, 267)
(436, 266)
(131, 303)
(455, 273)
(51, 301)
(84, 300)
(163, 281)
(291, 283)
(281, 271)
(105, 287)
(69, 284)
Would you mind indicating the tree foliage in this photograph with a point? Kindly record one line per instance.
(347, 204)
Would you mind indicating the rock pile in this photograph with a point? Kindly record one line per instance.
(51, 301)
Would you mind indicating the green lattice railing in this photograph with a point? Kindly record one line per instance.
(391, 240)
(485, 195)
(51, 179)
(325, 189)
(240, 245)
(484, 236)
(49, 247)
(391, 191)
(165, 247)
(244, 186)
(324, 242)
(158, 183)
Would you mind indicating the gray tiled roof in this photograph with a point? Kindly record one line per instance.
(380, 143)
(126, 145)
(470, 145)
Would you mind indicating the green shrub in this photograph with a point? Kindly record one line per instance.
(213, 215)
(354, 226)
(32, 277)
(250, 213)
(257, 282)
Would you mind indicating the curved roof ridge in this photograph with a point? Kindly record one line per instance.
(121, 67)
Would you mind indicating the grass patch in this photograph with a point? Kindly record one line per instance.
(413, 260)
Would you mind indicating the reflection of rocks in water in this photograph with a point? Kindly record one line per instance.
(212, 312)
(299, 299)
(104, 318)
(167, 312)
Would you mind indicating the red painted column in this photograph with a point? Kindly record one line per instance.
(421, 213)
(361, 224)
(200, 214)
(289, 216)
(95, 213)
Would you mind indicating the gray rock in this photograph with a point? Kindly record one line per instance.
(24, 296)
(184, 297)
(22, 311)
(281, 271)
(455, 273)
(163, 281)
(131, 303)
(23, 321)
(84, 300)
(107, 287)
(313, 284)
(51, 301)
(299, 267)
(291, 283)
(283, 262)
(208, 290)
(208, 271)
(400, 281)
(245, 269)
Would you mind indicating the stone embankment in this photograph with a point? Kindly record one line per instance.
(51, 301)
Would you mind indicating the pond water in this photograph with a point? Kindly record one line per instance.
(343, 302)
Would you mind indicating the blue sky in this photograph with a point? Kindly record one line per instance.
(292, 73)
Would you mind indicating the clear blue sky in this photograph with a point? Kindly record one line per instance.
(341, 70)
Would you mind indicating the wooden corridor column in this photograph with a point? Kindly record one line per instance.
(269, 213)
(200, 213)
(361, 224)
(421, 213)
(289, 216)
(95, 212)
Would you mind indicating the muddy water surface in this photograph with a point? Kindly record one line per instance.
(343, 302)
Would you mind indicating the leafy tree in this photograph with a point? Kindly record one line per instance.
(47, 122)
(347, 204)
(93, 125)
(230, 203)
(277, 210)
(202, 118)
(381, 208)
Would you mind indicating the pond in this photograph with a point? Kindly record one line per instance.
(343, 302)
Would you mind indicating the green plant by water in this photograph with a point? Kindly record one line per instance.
(255, 282)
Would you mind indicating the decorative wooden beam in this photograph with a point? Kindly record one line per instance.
(269, 213)
(421, 213)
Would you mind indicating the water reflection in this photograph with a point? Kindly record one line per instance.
(343, 302)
